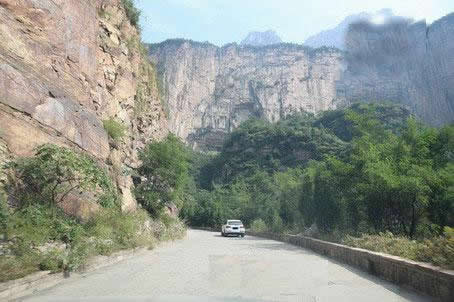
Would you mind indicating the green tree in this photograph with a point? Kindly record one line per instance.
(441, 205)
(442, 147)
(54, 173)
(396, 176)
(164, 173)
(288, 187)
(4, 216)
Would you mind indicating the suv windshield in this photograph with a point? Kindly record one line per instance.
(234, 222)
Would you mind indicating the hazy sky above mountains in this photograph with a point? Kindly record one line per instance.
(224, 21)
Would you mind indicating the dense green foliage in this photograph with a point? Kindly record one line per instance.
(258, 145)
(114, 129)
(54, 173)
(388, 182)
(36, 234)
(367, 169)
(258, 225)
(389, 173)
(132, 12)
(4, 212)
(338, 122)
(164, 173)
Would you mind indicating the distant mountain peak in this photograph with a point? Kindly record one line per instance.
(264, 38)
(335, 37)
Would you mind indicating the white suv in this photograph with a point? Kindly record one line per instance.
(233, 227)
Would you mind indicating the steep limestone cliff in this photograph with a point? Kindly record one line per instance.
(65, 66)
(211, 90)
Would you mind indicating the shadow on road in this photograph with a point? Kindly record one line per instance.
(230, 236)
(280, 246)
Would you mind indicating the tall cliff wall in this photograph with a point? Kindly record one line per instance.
(410, 63)
(65, 66)
(211, 90)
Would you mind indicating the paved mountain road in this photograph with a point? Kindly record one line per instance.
(207, 267)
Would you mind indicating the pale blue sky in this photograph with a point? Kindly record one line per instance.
(225, 21)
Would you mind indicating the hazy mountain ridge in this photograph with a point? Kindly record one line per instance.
(264, 38)
(335, 37)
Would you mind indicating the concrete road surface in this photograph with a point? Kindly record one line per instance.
(208, 267)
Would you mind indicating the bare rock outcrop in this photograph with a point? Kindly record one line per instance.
(65, 66)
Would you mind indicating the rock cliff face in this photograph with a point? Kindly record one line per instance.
(410, 63)
(211, 90)
(65, 66)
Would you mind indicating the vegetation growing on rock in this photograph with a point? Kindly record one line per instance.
(54, 173)
(114, 129)
(132, 12)
(37, 234)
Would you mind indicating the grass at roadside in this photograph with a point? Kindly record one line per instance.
(438, 250)
(35, 233)
(42, 237)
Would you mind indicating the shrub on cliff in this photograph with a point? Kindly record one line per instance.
(54, 173)
(114, 129)
(132, 12)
